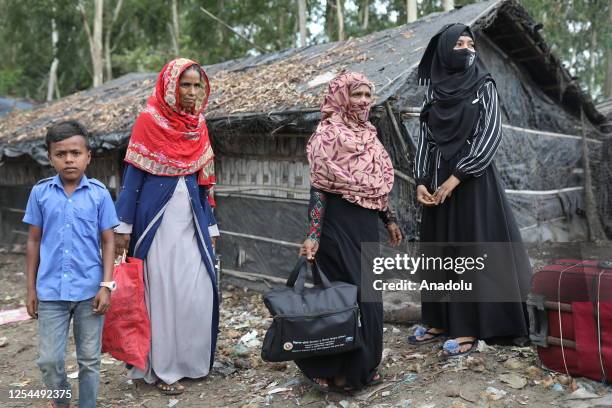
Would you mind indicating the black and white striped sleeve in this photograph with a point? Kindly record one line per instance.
(421, 159)
(484, 144)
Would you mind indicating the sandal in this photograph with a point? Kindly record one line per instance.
(421, 331)
(451, 348)
(170, 389)
(375, 380)
(341, 389)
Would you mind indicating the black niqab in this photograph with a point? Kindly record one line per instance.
(455, 76)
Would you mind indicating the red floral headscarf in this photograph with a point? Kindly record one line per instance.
(168, 141)
(344, 153)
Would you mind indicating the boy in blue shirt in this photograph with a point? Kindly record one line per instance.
(67, 276)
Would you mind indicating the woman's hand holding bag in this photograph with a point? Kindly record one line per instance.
(309, 249)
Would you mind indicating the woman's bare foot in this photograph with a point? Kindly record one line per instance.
(467, 343)
(340, 381)
(322, 382)
(430, 334)
(459, 346)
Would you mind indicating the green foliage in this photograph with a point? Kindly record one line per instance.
(140, 38)
(580, 35)
(10, 81)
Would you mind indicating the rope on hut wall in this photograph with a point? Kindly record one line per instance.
(254, 277)
(551, 134)
(264, 198)
(413, 111)
(231, 188)
(544, 192)
(260, 238)
(404, 176)
(537, 224)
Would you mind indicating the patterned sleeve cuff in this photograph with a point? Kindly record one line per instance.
(316, 213)
(388, 216)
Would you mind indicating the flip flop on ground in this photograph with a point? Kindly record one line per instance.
(420, 331)
(453, 348)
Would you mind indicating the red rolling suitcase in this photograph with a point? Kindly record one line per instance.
(570, 315)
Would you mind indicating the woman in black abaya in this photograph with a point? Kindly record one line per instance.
(461, 193)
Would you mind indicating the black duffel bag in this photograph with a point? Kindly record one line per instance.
(309, 322)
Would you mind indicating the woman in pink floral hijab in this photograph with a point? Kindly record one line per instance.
(351, 176)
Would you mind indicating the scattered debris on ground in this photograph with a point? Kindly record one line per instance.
(415, 377)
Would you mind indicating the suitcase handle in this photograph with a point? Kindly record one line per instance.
(605, 264)
(556, 341)
(538, 320)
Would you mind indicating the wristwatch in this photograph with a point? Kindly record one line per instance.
(112, 285)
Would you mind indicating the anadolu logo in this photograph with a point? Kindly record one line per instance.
(288, 346)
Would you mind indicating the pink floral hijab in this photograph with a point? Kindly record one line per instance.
(344, 154)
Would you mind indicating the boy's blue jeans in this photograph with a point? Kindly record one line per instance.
(53, 326)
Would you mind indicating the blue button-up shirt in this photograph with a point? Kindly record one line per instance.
(70, 266)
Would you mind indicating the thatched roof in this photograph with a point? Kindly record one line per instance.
(292, 82)
(8, 104)
(605, 108)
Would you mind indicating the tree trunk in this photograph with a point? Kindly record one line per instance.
(280, 29)
(608, 84)
(108, 64)
(411, 10)
(593, 61)
(95, 40)
(96, 52)
(448, 5)
(302, 22)
(53, 69)
(174, 29)
(329, 19)
(340, 14)
(366, 15)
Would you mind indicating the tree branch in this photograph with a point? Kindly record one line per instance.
(211, 15)
(85, 24)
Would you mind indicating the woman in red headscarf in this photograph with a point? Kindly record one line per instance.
(167, 220)
(351, 176)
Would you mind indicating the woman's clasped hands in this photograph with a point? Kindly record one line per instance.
(440, 195)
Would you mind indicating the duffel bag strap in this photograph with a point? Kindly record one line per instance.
(322, 277)
(299, 267)
(297, 278)
(301, 279)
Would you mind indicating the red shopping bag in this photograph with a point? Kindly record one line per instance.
(127, 332)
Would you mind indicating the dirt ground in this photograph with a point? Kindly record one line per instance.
(495, 376)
